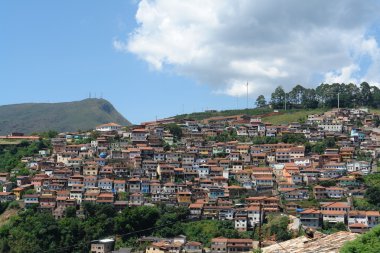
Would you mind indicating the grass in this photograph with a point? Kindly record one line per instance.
(4, 217)
(205, 115)
(9, 142)
(283, 117)
(376, 111)
(292, 116)
(311, 203)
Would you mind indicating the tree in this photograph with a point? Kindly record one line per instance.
(70, 212)
(278, 98)
(365, 94)
(296, 95)
(309, 99)
(260, 101)
(175, 130)
(375, 96)
(318, 147)
(278, 226)
(294, 138)
(368, 242)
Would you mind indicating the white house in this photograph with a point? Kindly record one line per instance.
(108, 127)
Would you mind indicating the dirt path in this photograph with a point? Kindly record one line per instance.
(4, 217)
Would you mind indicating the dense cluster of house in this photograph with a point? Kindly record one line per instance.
(233, 180)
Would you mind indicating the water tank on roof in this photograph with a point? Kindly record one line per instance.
(103, 155)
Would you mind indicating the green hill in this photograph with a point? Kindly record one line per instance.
(62, 117)
(267, 114)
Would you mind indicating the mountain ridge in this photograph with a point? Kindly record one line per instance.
(62, 117)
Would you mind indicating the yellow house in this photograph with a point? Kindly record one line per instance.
(18, 192)
(184, 197)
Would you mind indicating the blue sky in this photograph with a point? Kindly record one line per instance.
(177, 56)
(60, 52)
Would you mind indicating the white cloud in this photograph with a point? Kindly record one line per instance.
(225, 43)
(344, 75)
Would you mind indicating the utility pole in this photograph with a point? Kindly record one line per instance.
(247, 95)
(338, 100)
(260, 208)
(285, 99)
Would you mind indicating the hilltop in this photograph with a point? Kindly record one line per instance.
(267, 114)
(61, 117)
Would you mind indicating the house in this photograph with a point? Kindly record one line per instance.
(333, 216)
(119, 185)
(102, 246)
(7, 187)
(321, 192)
(105, 198)
(253, 214)
(136, 199)
(184, 197)
(215, 192)
(193, 247)
(335, 206)
(241, 222)
(311, 218)
(373, 218)
(105, 184)
(134, 185)
(90, 182)
(196, 210)
(226, 245)
(269, 204)
(7, 196)
(331, 127)
(139, 135)
(30, 200)
(4, 177)
(361, 166)
(226, 213)
(362, 221)
(109, 127)
(294, 194)
(164, 247)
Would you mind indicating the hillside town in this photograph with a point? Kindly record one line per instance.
(231, 168)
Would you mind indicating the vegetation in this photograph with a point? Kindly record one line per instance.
(292, 115)
(203, 231)
(35, 231)
(175, 130)
(277, 228)
(10, 156)
(208, 114)
(62, 117)
(372, 194)
(326, 96)
(330, 228)
(301, 101)
(368, 242)
(328, 183)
